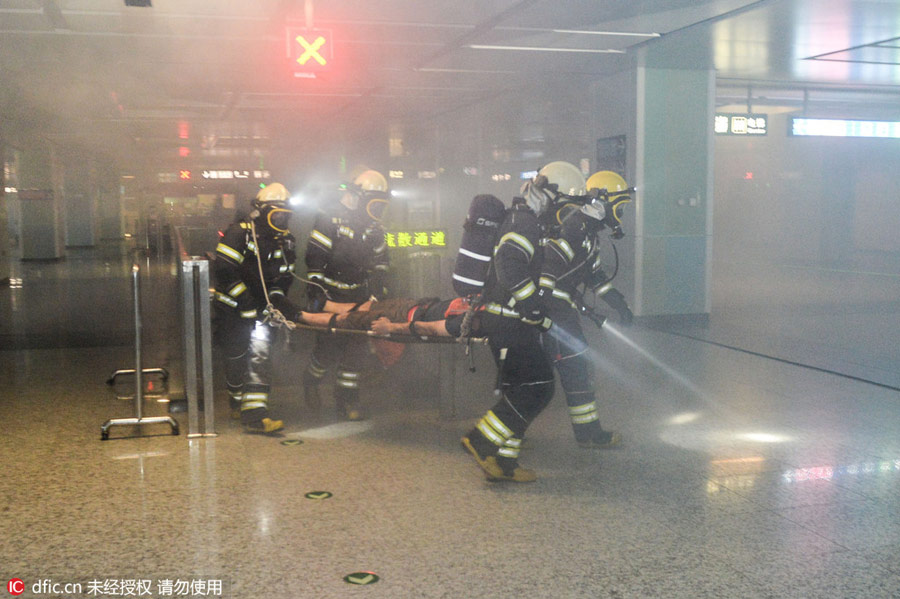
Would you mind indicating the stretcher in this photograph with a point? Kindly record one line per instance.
(406, 338)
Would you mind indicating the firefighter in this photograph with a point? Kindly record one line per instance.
(612, 189)
(513, 299)
(347, 261)
(572, 261)
(253, 270)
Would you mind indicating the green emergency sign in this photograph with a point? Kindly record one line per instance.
(416, 239)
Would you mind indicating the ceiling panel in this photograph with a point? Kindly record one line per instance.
(122, 79)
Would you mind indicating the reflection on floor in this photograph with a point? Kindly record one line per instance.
(740, 476)
(838, 320)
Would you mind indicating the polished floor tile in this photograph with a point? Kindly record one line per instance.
(739, 476)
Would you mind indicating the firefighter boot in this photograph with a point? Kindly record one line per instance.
(349, 410)
(234, 404)
(311, 395)
(495, 467)
(346, 396)
(586, 422)
(594, 437)
(257, 420)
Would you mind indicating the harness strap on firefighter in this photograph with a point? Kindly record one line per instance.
(273, 314)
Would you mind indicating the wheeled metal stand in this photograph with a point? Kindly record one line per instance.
(161, 371)
(138, 419)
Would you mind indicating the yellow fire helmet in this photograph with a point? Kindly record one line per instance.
(608, 180)
(372, 189)
(564, 178)
(556, 182)
(273, 192)
(616, 189)
(371, 181)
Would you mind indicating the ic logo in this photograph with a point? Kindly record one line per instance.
(16, 586)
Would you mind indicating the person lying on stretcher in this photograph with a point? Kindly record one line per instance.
(396, 316)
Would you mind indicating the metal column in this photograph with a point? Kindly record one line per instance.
(197, 344)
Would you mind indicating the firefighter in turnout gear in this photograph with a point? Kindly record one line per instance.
(525, 375)
(253, 271)
(347, 261)
(572, 261)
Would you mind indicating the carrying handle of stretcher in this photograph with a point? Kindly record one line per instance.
(397, 337)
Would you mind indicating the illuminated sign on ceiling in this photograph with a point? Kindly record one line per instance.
(740, 124)
(309, 50)
(233, 174)
(844, 128)
(187, 175)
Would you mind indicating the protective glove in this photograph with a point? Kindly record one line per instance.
(597, 319)
(537, 319)
(287, 308)
(531, 310)
(315, 298)
(377, 286)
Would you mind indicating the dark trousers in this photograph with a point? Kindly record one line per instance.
(567, 349)
(524, 372)
(348, 353)
(247, 344)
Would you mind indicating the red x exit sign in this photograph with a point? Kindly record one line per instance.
(309, 50)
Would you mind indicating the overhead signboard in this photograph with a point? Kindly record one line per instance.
(844, 128)
(741, 124)
(235, 174)
(188, 175)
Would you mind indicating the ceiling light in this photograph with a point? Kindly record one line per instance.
(620, 33)
(544, 49)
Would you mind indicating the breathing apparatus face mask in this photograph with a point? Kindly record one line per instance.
(539, 194)
(377, 203)
(349, 197)
(374, 202)
(618, 207)
(595, 209)
(278, 219)
(614, 209)
(275, 216)
(549, 204)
